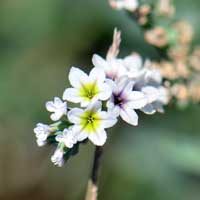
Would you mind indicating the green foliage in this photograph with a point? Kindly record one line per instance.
(40, 40)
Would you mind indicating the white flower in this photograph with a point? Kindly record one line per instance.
(153, 78)
(130, 5)
(91, 122)
(151, 85)
(58, 107)
(57, 157)
(134, 66)
(42, 131)
(124, 100)
(87, 89)
(67, 137)
(113, 68)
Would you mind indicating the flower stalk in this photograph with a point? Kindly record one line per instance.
(92, 188)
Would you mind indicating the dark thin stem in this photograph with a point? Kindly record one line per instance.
(92, 189)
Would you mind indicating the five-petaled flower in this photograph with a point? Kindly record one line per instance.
(134, 66)
(91, 122)
(87, 89)
(113, 67)
(124, 100)
(58, 108)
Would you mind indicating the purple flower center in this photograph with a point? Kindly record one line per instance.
(119, 99)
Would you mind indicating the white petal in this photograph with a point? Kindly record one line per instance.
(97, 75)
(121, 84)
(85, 103)
(40, 143)
(129, 115)
(57, 101)
(110, 103)
(137, 100)
(94, 107)
(133, 62)
(56, 116)
(120, 69)
(105, 91)
(72, 95)
(111, 84)
(149, 109)
(74, 115)
(153, 75)
(50, 106)
(151, 93)
(80, 134)
(158, 106)
(59, 138)
(99, 61)
(77, 77)
(115, 110)
(163, 95)
(128, 88)
(98, 138)
(57, 157)
(108, 120)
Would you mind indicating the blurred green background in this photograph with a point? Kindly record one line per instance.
(39, 41)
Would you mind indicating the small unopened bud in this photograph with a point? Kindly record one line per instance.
(114, 48)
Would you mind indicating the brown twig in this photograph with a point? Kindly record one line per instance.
(92, 188)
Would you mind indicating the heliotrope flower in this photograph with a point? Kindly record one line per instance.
(87, 89)
(67, 138)
(58, 108)
(42, 131)
(124, 100)
(57, 157)
(113, 68)
(151, 85)
(134, 66)
(91, 122)
(121, 85)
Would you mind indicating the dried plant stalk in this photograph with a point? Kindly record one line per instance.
(92, 188)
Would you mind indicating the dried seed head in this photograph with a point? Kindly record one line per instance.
(185, 32)
(179, 52)
(167, 69)
(142, 14)
(182, 69)
(194, 90)
(166, 8)
(157, 37)
(194, 59)
(180, 92)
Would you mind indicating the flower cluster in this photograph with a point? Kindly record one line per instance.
(114, 88)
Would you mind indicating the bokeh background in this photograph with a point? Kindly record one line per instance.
(39, 41)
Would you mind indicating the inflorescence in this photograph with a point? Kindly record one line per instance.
(115, 88)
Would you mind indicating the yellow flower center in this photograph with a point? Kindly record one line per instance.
(90, 121)
(89, 90)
